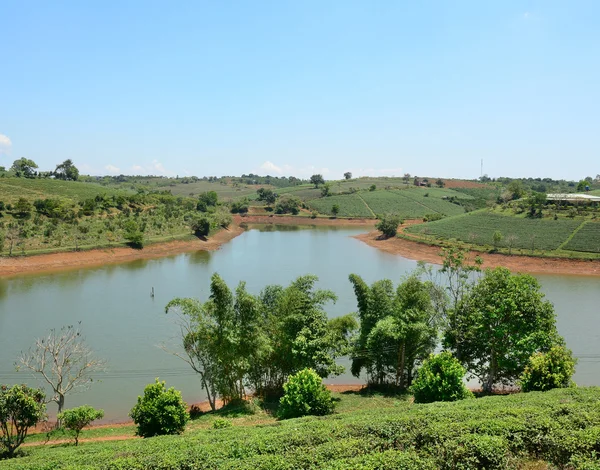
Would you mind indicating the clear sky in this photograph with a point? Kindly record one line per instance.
(300, 87)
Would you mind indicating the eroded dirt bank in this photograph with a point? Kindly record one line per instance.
(524, 264)
(69, 260)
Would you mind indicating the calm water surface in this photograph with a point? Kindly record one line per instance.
(124, 325)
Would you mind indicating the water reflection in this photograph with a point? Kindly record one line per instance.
(124, 324)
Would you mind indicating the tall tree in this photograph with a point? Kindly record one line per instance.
(498, 326)
(24, 167)
(397, 329)
(317, 180)
(64, 362)
(348, 175)
(66, 171)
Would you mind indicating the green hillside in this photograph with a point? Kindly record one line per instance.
(556, 429)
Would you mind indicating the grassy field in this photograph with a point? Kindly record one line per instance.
(586, 239)
(478, 228)
(556, 429)
(351, 205)
(11, 189)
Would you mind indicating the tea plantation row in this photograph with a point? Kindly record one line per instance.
(560, 427)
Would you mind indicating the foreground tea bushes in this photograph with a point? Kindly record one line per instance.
(561, 427)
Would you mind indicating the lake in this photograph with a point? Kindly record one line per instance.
(125, 325)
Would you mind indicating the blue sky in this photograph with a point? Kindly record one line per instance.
(300, 87)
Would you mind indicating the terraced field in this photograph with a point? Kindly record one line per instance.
(587, 239)
(351, 205)
(479, 227)
(434, 202)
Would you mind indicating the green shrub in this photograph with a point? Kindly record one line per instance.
(440, 378)
(21, 408)
(76, 419)
(476, 452)
(159, 411)
(305, 394)
(388, 225)
(221, 423)
(200, 226)
(546, 371)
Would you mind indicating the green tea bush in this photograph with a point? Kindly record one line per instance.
(546, 371)
(305, 394)
(159, 411)
(440, 378)
(221, 423)
(75, 419)
(476, 452)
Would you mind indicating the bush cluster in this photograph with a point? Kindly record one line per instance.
(305, 394)
(440, 378)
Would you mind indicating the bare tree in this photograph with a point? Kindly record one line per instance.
(510, 242)
(63, 360)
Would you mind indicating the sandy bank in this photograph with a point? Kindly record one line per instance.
(291, 220)
(524, 264)
(70, 260)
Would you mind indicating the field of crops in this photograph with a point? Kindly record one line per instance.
(432, 200)
(555, 429)
(479, 227)
(11, 189)
(586, 239)
(392, 202)
(225, 191)
(351, 205)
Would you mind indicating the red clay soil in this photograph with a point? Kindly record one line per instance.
(451, 184)
(291, 220)
(69, 260)
(523, 264)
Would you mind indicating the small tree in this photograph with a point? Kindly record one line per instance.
(159, 411)
(305, 394)
(21, 408)
(63, 360)
(335, 210)
(440, 378)
(388, 225)
(133, 234)
(546, 371)
(288, 205)
(76, 419)
(497, 238)
(326, 190)
(317, 180)
(200, 226)
(66, 171)
(440, 183)
(406, 178)
(348, 175)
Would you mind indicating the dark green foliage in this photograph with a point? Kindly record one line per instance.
(288, 205)
(66, 171)
(317, 180)
(200, 226)
(388, 225)
(240, 207)
(21, 408)
(133, 234)
(207, 200)
(398, 329)
(549, 370)
(305, 394)
(75, 419)
(496, 328)
(23, 167)
(159, 411)
(335, 209)
(266, 195)
(373, 187)
(440, 378)
(23, 207)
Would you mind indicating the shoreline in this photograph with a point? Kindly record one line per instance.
(524, 264)
(62, 261)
